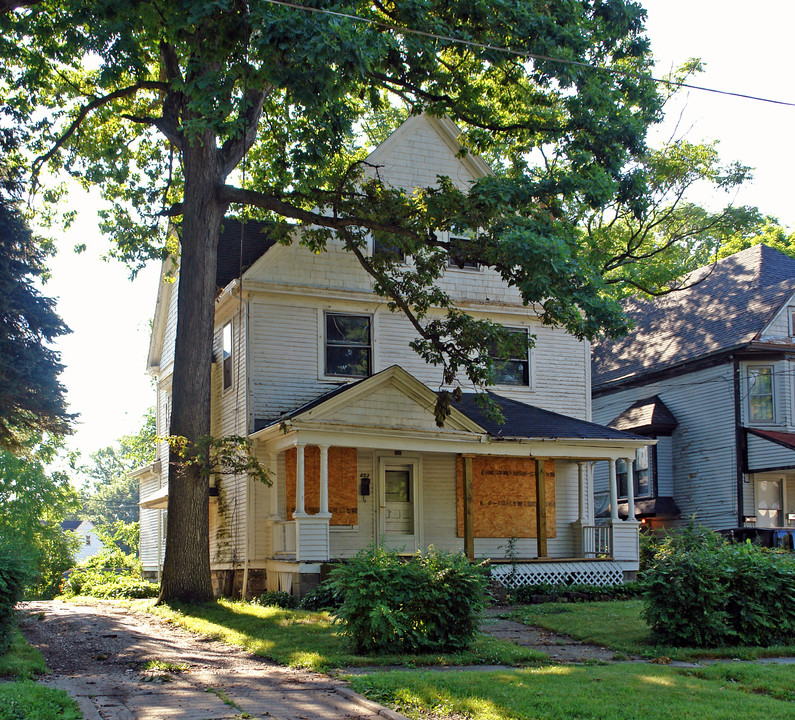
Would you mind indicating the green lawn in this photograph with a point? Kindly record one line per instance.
(611, 692)
(301, 638)
(618, 624)
(22, 660)
(24, 699)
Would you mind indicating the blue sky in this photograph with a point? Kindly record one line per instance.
(746, 48)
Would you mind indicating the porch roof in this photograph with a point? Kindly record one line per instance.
(521, 421)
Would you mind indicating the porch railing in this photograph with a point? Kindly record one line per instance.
(596, 541)
(284, 538)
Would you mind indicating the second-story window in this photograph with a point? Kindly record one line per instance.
(760, 393)
(227, 355)
(349, 345)
(514, 370)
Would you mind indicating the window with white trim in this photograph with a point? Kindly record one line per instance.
(760, 393)
(460, 261)
(349, 345)
(227, 355)
(513, 370)
(643, 467)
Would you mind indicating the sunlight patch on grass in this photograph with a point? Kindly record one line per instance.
(22, 659)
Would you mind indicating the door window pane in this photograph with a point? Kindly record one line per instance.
(397, 486)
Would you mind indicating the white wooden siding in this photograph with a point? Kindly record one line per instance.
(665, 467)
(147, 547)
(779, 328)
(440, 524)
(703, 445)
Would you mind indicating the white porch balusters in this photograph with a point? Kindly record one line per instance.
(582, 476)
(630, 489)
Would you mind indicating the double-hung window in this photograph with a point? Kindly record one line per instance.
(642, 468)
(513, 370)
(349, 345)
(760, 393)
(460, 260)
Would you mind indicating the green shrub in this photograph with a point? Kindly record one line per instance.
(575, 592)
(110, 574)
(15, 572)
(323, 597)
(277, 598)
(429, 603)
(702, 591)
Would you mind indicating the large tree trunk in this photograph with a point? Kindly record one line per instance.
(186, 569)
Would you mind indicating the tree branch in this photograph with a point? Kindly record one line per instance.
(85, 110)
(234, 149)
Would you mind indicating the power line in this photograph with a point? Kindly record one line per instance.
(526, 54)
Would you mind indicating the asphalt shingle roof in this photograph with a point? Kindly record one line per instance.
(729, 307)
(255, 242)
(650, 415)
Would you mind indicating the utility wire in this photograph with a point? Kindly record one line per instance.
(526, 54)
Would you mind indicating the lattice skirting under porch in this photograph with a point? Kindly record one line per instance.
(581, 573)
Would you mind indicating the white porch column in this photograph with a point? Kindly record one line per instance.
(613, 491)
(299, 481)
(270, 466)
(582, 476)
(324, 480)
(630, 489)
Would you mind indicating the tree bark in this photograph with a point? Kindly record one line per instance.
(186, 568)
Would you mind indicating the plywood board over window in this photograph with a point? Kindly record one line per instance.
(343, 498)
(504, 492)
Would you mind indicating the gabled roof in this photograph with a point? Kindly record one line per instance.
(522, 421)
(728, 307)
(649, 416)
(528, 421)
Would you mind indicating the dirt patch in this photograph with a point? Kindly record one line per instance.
(119, 666)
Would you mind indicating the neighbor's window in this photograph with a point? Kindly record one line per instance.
(760, 393)
(227, 355)
(348, 345)
(514, 370)
(642, 475)
(389, 251)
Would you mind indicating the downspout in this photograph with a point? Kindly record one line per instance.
(738, 442)
(247, 524)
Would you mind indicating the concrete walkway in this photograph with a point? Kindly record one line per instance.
(98, 654)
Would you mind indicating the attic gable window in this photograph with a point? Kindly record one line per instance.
(460, 261)
(349, 345)
(514, 370)
(227, 355)
(760, 393)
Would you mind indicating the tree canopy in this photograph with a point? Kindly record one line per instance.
(192, 108)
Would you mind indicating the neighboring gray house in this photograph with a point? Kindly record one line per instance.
(708, 372)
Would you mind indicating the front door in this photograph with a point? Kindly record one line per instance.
(770, 502)
(397, 493)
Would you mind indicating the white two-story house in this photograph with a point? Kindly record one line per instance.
(708, 373)
(313, 367)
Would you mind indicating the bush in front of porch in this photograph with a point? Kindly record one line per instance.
(427, 603)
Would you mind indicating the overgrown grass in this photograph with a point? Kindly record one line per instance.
(618, 625)
(22, 660)
(25, 700)
(618, 692)
(300, 638)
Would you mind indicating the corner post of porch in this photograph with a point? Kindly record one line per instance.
(324, 479)
(541, 507)
(299, 481)
(613, 491)
(469, 509)
(270, 467)
(630, 489)
(582, 477)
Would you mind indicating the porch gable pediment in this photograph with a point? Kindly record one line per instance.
(392, 399)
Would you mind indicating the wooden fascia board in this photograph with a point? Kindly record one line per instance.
(276, 439)
(160, 315)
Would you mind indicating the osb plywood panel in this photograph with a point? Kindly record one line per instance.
(343, 495)
(504, 491)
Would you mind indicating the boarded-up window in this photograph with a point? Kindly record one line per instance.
(504, 492)
(343, 499)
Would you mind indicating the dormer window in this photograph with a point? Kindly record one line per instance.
(349, 345)
(760, 393)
